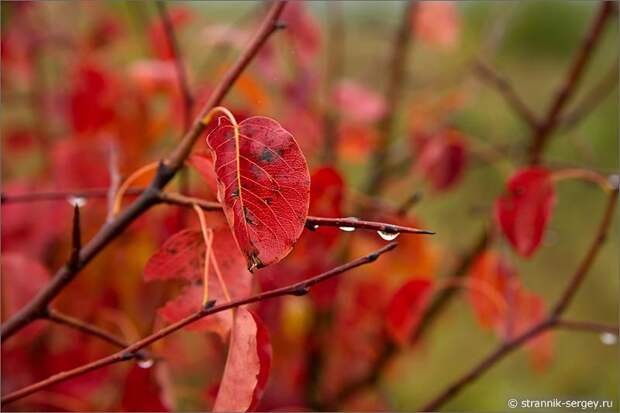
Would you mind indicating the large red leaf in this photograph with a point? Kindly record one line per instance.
(406, 308)
(247, 366)
(523, 213)
(264, 185)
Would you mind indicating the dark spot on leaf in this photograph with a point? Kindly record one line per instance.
(267, 155)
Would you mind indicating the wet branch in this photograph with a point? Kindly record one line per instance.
(129, 352)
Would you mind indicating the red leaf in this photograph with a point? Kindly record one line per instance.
(264, 186)
(303, 32)
(441, 157)
(152, 76)
(530, 309)
(247, 366)
(523, 213)
(359, 103)
(326, 198)
(141, 392)
(81, 164)
(491, 278)
(22, 279)
(406, 308)
(182, 257)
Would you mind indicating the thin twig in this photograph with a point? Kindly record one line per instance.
(334, 69)
(393, 97)
(312, 222)
(505, 88)
(589, 102)
(173, 45)
(296, 289)
(115, 180)
(63, 195)
(588, 326)
(573, 77)
(166, 172)
(76, 239)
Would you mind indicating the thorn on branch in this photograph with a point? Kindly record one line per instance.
(76, 240)
(208, 305)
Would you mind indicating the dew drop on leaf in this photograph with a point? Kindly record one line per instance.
(146, 363)
(76, 201)
(608, 339)
(387, 235)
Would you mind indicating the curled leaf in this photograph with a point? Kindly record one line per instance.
(247, 366)
(523, 213)
(264, 186)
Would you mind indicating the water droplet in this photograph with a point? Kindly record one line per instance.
(76, 201)
(146, 363)
(349, 229)
(388, 235)
(315, 227)
(608, 339)
(614, 180)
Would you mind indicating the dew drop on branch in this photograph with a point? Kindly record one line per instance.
(76, 201)
(349, 229)
(315, 227)
(608, 339)
(146, 363)
(388, 235)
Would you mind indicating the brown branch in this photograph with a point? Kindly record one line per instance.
(173, 44)
(333, 70)
(393, 97)
(551, 321)
(589, 102)
(573, 77)
(84, 327)
(148, 198)
(505, 88)
(76, 239)
(296, 289)
(312, 222)
(588, 326)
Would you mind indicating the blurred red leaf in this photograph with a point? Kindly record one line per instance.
(441, 157)
(152, 76)
(358, 103)
(406, 307)
(247, 366)
(303, 31)
(91, 99)
(81, 164)
(437, 23)
(141, 392)
(530, 309)
(491, 277)
(204, 166)
(22, 279)
(523, 213)
(326, 198)
(264, 186)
